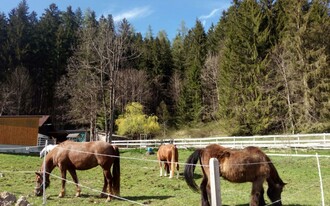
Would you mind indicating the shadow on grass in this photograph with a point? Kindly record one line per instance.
(283, 205)
(132, 198)
(196, 176)
(145, 198)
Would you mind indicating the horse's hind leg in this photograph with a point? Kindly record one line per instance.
(107, 184)
(205, 191)
(75, 179)
(257, 193)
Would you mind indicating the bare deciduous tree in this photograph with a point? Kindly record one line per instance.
(113, 47)
(15, 97)
(97, 61)
(132, 86)
(210, 78)
(176, 86)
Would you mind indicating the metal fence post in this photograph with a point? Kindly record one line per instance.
(215, 182)
(44, 178)
(320, 175)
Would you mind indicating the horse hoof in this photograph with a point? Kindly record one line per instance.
(77, 194)
(108, 199)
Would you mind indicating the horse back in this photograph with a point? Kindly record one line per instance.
(244, 165)
(164, 152)
(83, 155)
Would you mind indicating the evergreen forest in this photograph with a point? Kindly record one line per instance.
(263, 68)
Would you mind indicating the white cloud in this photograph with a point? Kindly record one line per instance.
(210, 15)
(133, 13)
(204, 18)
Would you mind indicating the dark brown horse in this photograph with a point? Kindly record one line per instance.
(246, 165)
(168, 154)
(71, 156)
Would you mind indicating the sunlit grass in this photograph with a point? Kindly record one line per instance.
(140, 181)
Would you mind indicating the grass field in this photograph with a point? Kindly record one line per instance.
(141, 184)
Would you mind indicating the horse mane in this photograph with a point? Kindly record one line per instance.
(274, 177)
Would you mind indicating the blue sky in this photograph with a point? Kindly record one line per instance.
(159, 14)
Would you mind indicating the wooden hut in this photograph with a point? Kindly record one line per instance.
(21, 130)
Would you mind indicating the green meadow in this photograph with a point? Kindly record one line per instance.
(142, 185)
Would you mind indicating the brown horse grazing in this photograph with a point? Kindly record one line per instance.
(71, 156)
(246, 165)
(168, 154)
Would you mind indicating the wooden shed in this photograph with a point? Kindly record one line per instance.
(21, 130)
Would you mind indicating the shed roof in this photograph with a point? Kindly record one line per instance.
(73, 135)
(42, 118)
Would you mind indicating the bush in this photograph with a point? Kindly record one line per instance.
(134, 122)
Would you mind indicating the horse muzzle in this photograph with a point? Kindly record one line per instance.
(38, 191)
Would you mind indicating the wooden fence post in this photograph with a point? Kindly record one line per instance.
(215, 182)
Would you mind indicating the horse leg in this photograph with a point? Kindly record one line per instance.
(177, 170)
(160, 168)
(261, 197)
(205, 191)
(108, 183)
(75, 179)
(257, 192)
(171, 170)
(63, 173)
(166, 168)
(105, 184)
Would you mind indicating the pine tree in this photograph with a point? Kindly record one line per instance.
(318, 34)
(242, 71)
(19, 35)
(301, 62)
(67, 38)
(3, 45)
(190, 102)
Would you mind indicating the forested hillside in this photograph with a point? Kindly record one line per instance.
(264, 68)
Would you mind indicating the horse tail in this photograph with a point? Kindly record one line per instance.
(190, 168)
(173, 159)
(116, 172)
(176, 157)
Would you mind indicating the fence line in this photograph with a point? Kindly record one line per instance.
(316, 141)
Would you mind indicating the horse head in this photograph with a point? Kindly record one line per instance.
(38, 190)
(274, 193)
